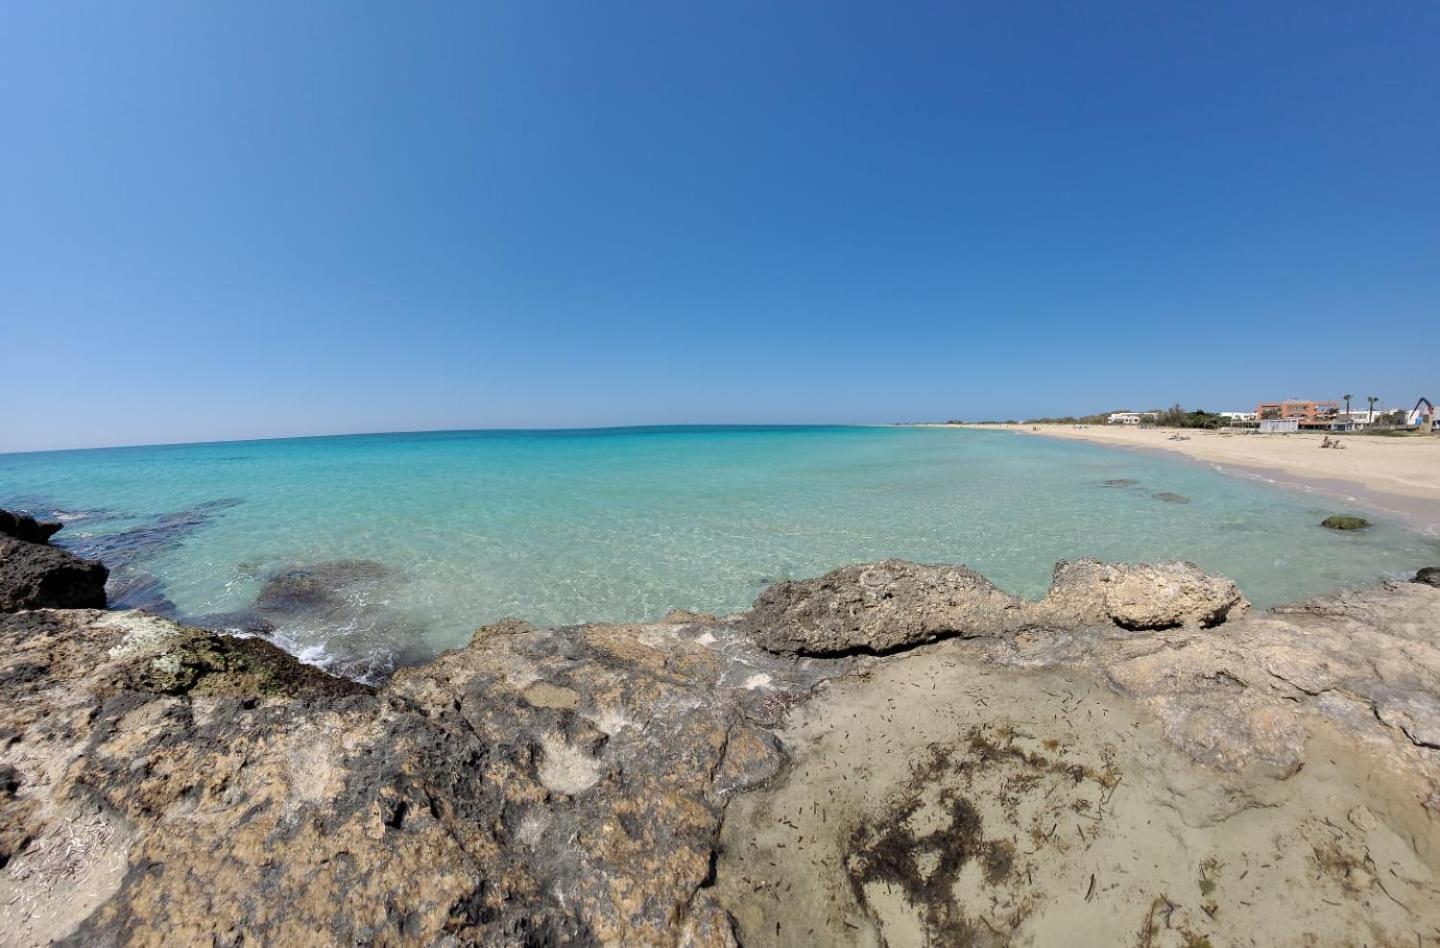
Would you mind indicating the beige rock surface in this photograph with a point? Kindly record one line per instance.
(540, 786)
(876, 608)
(1068, 777)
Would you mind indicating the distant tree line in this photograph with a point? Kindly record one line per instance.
(1177, 417)
(1172, 417)
(1097, 419)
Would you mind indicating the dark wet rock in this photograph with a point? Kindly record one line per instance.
(876, 608)
(1170, 498)
(1429, 575)
(21, 526)
(131, 585)
(1344, 522)
(39, 576)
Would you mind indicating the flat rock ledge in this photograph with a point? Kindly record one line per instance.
(1130, 760)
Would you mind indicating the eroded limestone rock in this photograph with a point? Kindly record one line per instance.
(877, 608)
(1142, 596)
(539, 786)
(1063, 772)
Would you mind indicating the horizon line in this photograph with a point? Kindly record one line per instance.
(434, 431)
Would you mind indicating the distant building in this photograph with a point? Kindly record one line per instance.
(1270, 425)
(1129, 417)
(1321, 416)
(1240, 416)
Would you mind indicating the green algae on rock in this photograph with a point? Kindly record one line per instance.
(1344, 522)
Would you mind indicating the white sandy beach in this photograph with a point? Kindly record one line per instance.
(1398, 475)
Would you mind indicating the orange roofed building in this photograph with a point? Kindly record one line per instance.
(1308, 414)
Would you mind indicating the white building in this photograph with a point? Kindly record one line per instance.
(1240, 416)
(1280, 424)
(1129, 417)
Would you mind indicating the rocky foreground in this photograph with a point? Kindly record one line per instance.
(890, 754)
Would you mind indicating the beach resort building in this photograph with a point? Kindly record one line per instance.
(1307, 415)
(1129, 417)
(1240, 417)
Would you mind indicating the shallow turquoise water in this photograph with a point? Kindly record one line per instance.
(560, 527)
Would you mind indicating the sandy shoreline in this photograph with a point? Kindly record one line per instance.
(1396, 476)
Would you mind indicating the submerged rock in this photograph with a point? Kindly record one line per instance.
(319, 589)
(131, 585)
(334, 612)
(335, 607)
(1344, 522)
(151, 538)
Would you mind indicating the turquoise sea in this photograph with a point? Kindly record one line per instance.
(391, 547)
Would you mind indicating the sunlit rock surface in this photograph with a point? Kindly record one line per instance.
(1130, 760)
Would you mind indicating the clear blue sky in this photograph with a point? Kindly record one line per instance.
(225, 220)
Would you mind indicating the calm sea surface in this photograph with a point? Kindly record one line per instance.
(410, 541)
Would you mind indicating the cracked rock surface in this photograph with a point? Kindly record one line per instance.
(1130, 760)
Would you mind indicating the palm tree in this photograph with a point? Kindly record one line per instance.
(1347, 405)
(1372, 400)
